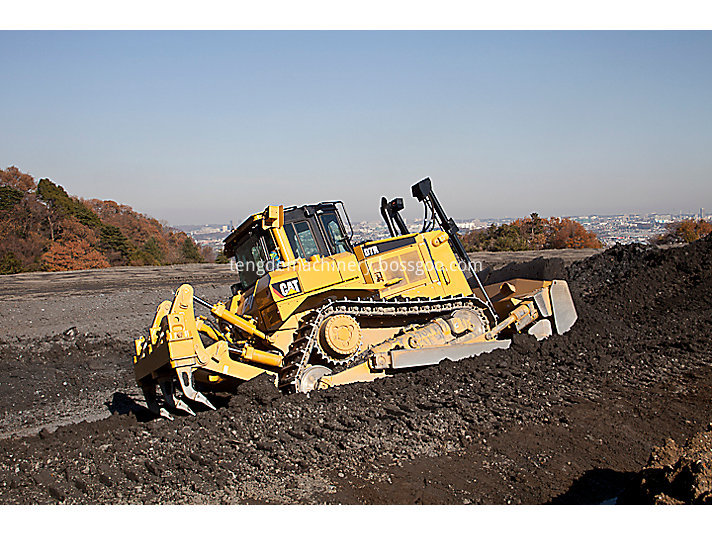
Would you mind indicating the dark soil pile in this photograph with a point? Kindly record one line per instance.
(556, 421)
(69, 357)
(675, 475)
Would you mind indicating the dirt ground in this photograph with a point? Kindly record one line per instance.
(675, 474)
(572, 419)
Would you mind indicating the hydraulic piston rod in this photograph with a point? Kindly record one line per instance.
(219, 310)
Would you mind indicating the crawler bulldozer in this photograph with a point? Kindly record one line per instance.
(313, 310)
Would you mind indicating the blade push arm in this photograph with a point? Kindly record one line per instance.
(221, 312)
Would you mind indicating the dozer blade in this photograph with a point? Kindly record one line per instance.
(564, 310)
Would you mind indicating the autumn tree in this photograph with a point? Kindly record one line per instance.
(24, 229)
(42, 227)
(73, 254)
(571, 234)
(76, 249)
(149, 241)
(685, 231)
(535, 230)
(531, 233)
(13, 177)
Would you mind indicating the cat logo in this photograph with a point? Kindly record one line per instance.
(287, 288)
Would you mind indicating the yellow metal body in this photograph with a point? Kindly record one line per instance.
(420, 265)
(174, 342)
(256, 327)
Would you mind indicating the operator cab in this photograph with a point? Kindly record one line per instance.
(316, 229)
(266, 241)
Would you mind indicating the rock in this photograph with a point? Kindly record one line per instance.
(152, 468)
(56, 492)
(70, 333)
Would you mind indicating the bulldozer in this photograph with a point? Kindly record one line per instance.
(313, 310)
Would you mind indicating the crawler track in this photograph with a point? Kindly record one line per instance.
(407, 310)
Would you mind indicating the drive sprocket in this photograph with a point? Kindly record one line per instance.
(339, 339)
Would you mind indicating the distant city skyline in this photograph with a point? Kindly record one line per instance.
(610, 229)
(702, 212)
(195, 127)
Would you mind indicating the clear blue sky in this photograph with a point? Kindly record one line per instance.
(197, 127)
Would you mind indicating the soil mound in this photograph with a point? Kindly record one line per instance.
(644, 322)
(675, 475)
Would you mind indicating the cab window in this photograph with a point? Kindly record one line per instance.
(334, 235)
(255, 254)
(302, 239)
(293, 241)
(273, 255)
(249, 261)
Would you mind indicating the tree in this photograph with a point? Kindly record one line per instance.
(531, 233)
(57, 197)
(9, 196)
(23, 229)
(685, 231)
(496, 238)
(76, 249)
(112, 238)
(191, 252)
(43, 227)
(535, 230)
(151, 253)
(73, 254)
(9, 264)
(18, 180)
(571, 234)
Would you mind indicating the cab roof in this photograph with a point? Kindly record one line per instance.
(306, 211)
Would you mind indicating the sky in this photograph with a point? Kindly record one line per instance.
(208, 127)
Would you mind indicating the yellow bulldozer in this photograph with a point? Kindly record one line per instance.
(314, 310)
